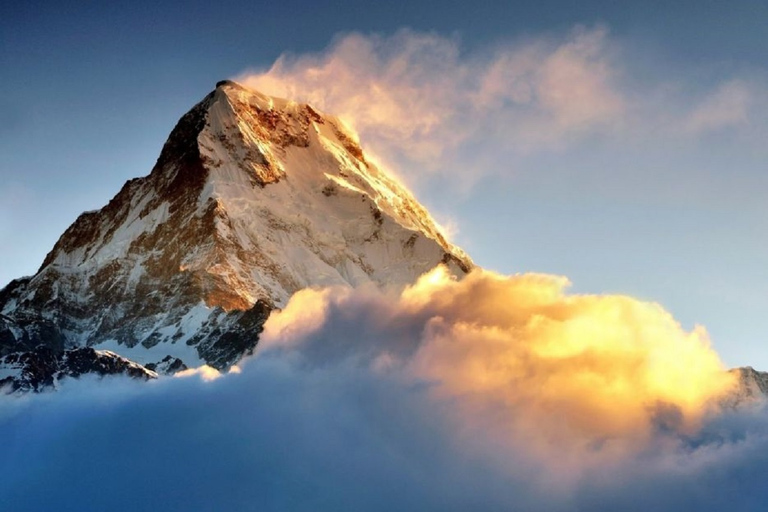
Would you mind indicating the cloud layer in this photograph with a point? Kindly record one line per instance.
(491, 393)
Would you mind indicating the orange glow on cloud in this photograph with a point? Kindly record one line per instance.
(554, 367)
(418, 95)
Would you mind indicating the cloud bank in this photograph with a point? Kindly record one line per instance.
(493, 393)
(560, 371)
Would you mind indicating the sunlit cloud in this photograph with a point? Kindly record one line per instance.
(418, 95)
(205, 372)
(561, 371)
(425, 106)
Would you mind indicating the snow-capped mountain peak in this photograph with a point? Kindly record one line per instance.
(252, 199)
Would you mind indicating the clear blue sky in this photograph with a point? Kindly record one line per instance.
(89, 92)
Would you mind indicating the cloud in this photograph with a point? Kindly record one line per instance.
(490, 393)
(271, 438)
(575, 83)
(428, 108)
(205, 372)
(558, 370)
(419, 97)
(728, 106)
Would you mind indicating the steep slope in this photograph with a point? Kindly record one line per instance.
(251, 199)
(751, 388)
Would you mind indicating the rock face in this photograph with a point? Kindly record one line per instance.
(252, 199)
(44, 368)
(751, 388)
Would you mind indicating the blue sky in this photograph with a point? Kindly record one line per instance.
(662, 198)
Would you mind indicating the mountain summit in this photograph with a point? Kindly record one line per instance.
(252, 199)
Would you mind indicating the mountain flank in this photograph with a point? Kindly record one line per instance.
(251, 199)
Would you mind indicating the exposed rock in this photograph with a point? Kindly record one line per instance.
(168, 366)
(252, 199)
(43, 368)
(751, 388)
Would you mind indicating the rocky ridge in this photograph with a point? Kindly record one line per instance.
(44, 368)
(751, 388)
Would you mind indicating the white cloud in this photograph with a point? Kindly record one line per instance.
(728, 106)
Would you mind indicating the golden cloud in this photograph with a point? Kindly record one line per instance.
(521, 353)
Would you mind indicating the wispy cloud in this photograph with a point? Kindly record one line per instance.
(728, 106)
(419, 96)
(425, 105)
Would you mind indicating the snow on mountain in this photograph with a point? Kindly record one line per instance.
(44, 368)
(751, 388)
(252, 199)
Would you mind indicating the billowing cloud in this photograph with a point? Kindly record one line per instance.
(490, 393)
(559, 370)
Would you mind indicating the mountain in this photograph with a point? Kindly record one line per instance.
(43, 368)
(751, 387)
(252, 199)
